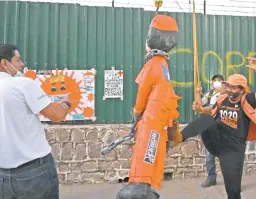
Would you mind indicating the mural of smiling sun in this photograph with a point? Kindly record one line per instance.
(61, 86)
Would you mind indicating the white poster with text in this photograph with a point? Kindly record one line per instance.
(113, 84)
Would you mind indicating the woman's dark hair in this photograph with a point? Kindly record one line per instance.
(7, 51)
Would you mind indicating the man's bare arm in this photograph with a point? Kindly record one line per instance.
(55, 112)
(203, 110)
(206, 110)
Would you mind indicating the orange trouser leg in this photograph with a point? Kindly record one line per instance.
(149, 153)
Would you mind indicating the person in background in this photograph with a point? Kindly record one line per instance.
(27, 167)
(209, 100)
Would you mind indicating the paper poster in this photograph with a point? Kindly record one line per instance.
(77, 86)
(113, 84)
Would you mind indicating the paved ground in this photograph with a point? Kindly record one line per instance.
(174, 189)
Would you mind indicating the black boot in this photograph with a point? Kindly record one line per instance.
(208, 182)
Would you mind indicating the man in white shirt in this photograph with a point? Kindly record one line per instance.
(27, 168)
(210, 99)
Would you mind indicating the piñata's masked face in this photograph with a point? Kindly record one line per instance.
(162, 33)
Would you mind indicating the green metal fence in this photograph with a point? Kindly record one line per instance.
(71, 36)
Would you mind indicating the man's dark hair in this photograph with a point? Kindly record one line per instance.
(7, 51)
(219, 76)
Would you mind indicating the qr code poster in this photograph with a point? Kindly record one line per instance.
(76, 86)
(113, 84)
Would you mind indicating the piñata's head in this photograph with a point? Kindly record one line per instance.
(162, 33)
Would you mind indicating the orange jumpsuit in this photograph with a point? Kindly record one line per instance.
(158, 102)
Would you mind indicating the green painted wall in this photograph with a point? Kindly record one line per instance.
(79, 37)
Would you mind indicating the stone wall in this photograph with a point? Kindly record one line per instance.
(77, 149)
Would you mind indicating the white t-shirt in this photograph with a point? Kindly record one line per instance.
(22, 135)
(213, 99)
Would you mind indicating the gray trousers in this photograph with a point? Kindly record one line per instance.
(37, 179)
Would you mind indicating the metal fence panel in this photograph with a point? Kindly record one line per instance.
(51, 35)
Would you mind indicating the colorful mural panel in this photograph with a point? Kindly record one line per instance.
(77, 86)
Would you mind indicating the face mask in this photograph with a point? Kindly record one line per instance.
(233, 95)
(217, 85)
(17, 74)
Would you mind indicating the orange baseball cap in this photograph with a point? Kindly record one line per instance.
(238, 80)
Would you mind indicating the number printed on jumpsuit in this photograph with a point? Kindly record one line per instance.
(229, 116)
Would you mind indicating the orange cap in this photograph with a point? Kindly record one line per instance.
(238, 80)
(164, 23)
